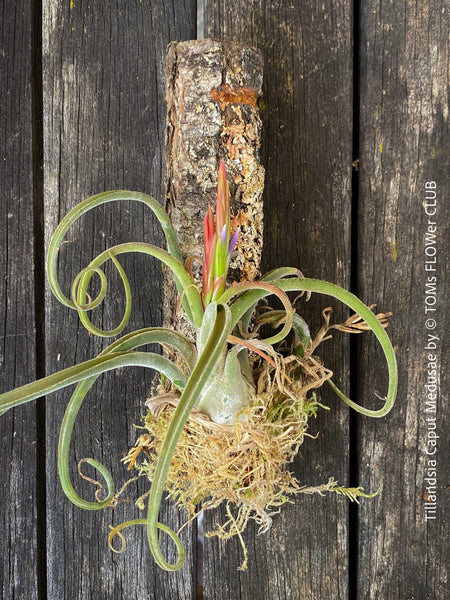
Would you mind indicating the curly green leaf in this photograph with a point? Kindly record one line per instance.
(191, 297)
(252, 296)
(130, 342)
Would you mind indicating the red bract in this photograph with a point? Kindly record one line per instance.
(218, 242)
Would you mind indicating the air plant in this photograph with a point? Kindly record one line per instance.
(228, 379)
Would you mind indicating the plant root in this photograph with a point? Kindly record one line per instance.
(244, 465)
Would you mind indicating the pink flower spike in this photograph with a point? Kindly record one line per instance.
(208, 230)
(223, 199)
(217, 243)
(208, 275)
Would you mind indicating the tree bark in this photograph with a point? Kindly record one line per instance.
(213, 90)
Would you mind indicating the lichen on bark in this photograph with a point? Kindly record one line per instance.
(213, 89)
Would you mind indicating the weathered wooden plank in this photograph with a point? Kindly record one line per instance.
(104, 129)
(18, 504)
(307, 154)
(404, 547)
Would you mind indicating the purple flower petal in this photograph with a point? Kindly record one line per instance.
(233, 242)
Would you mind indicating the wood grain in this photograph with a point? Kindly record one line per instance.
(404, 145)
(104, 129)
(306, 151)
(18, 449)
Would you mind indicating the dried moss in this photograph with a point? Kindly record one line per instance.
(244, 465)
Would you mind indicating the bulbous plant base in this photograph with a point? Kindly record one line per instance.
(244, 465)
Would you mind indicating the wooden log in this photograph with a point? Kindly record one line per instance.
(212, 113)
(307, 153)
(19, 469)
(405, 145)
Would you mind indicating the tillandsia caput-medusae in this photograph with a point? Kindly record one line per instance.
(214, 374)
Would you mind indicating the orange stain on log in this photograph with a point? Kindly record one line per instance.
(224, 95)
